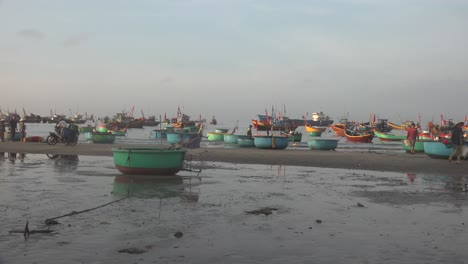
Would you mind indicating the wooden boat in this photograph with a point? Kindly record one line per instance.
(418, 146)
(279, 126)
(119, 133)
(271, 142)
(388, 136)
(437, 149)
(245, 141)
(397, 127)
(339, 129)
(359, 137)
(231, 139)
(322, 143)
(310, 129)
(102, 138)
(149, 161)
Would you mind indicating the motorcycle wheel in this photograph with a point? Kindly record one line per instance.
(51, 140)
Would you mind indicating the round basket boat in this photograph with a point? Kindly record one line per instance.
(221, 130)
(322, 143)
(231, 139)
(271, 142)
(149, 161)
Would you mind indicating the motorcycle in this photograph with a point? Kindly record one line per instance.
(71, 139)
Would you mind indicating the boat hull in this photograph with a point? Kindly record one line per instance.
(310, 129)
(437, 149)
(389, 137)
(214, 136)
(418, 146)
(174, 138)
(148, 161)
(102, 138)
(245, 141)
(271, 142)
(315, 134)
(322, 143)
(231, 139)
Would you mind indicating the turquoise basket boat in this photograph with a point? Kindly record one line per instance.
(149, 161)
(315, 134)
(437, 149)
(271, 142)
(215, 136)
(245, 141)
(231, 139)
(174, 138)
(322, 143)
(102, 138)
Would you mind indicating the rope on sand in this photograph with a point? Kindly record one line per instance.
(51, 221)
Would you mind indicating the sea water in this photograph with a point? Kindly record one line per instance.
(227, 213)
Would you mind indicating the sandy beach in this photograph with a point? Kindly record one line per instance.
(371, 160)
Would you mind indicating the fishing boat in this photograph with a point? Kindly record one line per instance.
(102, 138)
(438, 149)
(399, 127)
(359, 137)
(418, 146)
(245, 141)
(339, 129)
(322, 143)
(271, 142)
(149, 161)
(388, 136)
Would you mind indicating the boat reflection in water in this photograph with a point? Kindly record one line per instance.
(147, 186)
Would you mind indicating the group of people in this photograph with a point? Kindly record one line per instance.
(13, 126)
(456, 140)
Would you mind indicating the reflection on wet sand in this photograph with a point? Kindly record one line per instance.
(64, 163)
(144, 186)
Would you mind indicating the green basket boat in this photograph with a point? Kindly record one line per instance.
(102, 138)
(418, 146)
(150, 161)
(215, 136)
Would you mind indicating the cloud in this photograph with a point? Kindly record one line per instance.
(76, 40)
(31, 33)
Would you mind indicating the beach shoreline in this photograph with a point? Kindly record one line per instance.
(362, 160)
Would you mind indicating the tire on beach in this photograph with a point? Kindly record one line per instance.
(51, 140)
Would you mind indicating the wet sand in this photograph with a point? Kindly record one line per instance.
(372, 160)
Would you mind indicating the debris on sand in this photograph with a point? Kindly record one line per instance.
(263, 211)
(132, 251)
(178, 234)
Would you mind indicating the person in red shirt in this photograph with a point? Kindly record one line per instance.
(412, 136)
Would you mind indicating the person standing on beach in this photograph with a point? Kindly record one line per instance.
(2, 130)
(457, 141)
(249, 131)
(412, 135)
(22, 129)
(13, 125)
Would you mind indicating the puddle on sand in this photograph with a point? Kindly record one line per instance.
(320, 215)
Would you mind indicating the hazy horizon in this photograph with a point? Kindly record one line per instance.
(235, 58)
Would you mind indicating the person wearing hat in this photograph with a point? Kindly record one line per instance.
(22, 129)
(457, 141)
(249, 131)
(2, 130)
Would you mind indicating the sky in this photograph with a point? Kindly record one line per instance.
(234, 59)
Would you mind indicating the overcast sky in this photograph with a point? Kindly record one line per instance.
(236, 58)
